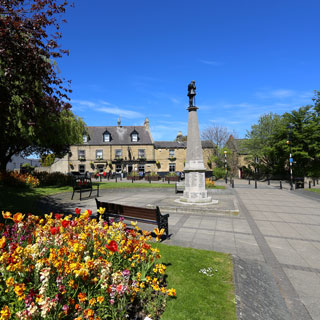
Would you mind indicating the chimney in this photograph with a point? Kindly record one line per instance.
(146, 123)
(179, 136)
(119, 122)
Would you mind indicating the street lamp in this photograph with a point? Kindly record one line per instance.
(256, 172)
(225, 166)
(290, 127)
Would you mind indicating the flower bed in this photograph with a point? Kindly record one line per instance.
(64, 268)
(16, 179)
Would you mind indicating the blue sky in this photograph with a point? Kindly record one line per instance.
(134, 59)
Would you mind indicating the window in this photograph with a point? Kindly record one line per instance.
(141, 154)
(141, 168)
(171, 153)
(172, 167)
(100, 167)
(99, 154)
(134, 136)
(82, 168)
(82, 154)
(118, 153)
(106, 137)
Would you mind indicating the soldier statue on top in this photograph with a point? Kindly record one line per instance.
(191, 93)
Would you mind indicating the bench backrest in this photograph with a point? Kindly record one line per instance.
(82, 183)
(129, 211)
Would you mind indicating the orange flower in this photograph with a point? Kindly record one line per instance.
(6, 215)
(82, 297)
(2, 242)
(18, 217)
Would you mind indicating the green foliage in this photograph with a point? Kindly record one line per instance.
(271, 141)
(219, 173)
(47, 159)
(53, 179)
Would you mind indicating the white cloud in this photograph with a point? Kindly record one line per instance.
(84, 103)
(282, 93)
(120, 112)
(211, 63)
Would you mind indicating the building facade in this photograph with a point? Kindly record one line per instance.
(126, 149)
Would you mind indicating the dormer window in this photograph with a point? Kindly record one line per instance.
(106, 137)
(85, 138)
(134, 136)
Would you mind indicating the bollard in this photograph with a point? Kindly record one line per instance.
(268, 182)
(116, 179)
(232, 183)
(280, 184)
(255, 184)
(314, 182)
(131, 179)
(226, 179)
(309, 184)
(249, 181)
(149, 180)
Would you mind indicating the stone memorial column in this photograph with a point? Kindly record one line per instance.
(195, 185)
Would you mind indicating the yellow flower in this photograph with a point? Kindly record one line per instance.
(101, 210)
(134, 223)
(6, 215)
(92, 301)
(100, 299)
(5, 313)
(171, 292)
(19, 289)
(155, 287)
(10, 282)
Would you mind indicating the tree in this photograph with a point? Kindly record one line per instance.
(34, 111)
(262, 144)
(218, 135)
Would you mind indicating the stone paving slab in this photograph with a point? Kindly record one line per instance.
(275, 238)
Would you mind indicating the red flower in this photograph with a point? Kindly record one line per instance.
(54, 230)
(58, 216)
(113, 246)
(89, 212)
(77, 210)
(65, 223)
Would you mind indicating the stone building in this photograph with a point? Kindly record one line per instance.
(238, 161)
(126, 149)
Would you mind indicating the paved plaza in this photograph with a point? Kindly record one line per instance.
(273, 235)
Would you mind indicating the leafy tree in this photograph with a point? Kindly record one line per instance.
(262, 144)
(35, 116)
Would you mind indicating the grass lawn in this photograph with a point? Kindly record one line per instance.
(314, 190)
(199, 296)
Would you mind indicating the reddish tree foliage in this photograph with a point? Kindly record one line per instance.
(31, 91)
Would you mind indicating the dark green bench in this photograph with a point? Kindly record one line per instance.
(144, 215)
(83, 184)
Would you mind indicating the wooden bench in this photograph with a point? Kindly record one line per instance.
(145, 215)
(83, 184)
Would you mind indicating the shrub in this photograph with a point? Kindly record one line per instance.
(54, 179)
(15, 179)
(133, 174)
(219, 173)
(172, 174)
(64, 268)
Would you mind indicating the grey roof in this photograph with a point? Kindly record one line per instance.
(179, 144)
(119, 135)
